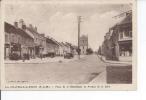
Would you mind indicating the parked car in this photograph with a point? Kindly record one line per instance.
(14, 56)
(26, 56)
(68, 55)
(51, 54)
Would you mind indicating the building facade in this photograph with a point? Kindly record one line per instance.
(26, 40)
(39, 41)
(125, 36)
(52, 46)
(17, 40)
(66, 48)
(118, 41)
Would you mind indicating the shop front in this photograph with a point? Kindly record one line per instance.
(7, 51)
(13, 51)
(125, 48)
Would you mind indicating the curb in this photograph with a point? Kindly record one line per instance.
(105, 61)
(21, 62)
(100, 79)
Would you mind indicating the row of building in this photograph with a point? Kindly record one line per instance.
(118, 41)
(22, 39)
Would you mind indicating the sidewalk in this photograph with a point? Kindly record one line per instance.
(43, 60)
(100, 79)
(122, 60)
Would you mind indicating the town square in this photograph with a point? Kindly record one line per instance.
(68, 43)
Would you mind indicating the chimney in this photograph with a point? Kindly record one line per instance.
(30, 26)
(21, 23)
(16, 24)
(104, 37)
(24, 27)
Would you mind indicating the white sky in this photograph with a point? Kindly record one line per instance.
(60, 20)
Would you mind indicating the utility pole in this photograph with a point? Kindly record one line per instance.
(79, 21)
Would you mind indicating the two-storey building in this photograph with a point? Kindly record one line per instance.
(39, 41)
(17, 40)
(118, 41)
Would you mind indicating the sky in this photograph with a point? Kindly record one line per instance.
(59, 20)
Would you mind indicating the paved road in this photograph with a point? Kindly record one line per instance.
(73, 72)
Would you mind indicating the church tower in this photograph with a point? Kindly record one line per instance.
(83, 44)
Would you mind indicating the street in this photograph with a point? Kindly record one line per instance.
(81, 71)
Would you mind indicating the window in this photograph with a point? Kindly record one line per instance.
(6, 38)
(121, 35)
(23, 40)
(13, 38)
(126, 33)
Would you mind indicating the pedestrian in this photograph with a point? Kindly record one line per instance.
(41, 56)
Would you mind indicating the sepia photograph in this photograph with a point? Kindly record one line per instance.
(69, 45)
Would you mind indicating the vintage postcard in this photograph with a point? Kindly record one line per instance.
(69, 45)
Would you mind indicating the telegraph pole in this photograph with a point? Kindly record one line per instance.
(79, 21)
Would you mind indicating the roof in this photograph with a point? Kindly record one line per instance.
(51, 40)
(12, 29)
(114, 26)
(29, 33)
(65, 44)
(61, 44)
(126, 20)
(32, 31)
(9, 28)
